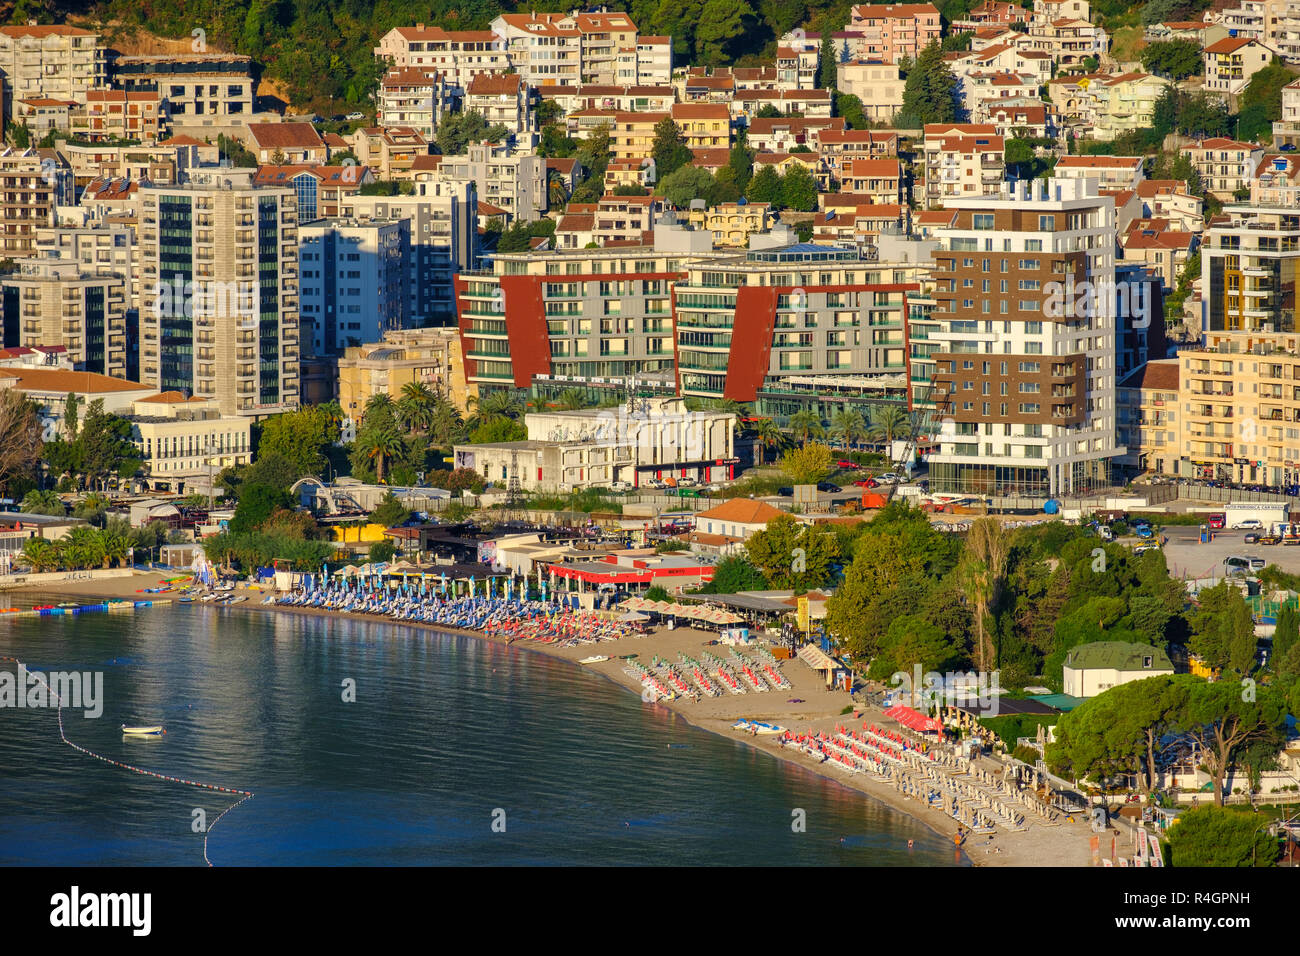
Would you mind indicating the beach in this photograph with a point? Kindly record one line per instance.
(818, 709)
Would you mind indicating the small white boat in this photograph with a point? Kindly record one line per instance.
(756, 727)
(152, 731)
(597, 659)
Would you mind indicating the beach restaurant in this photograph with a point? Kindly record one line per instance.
(633, 572)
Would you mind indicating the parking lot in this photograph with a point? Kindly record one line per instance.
(1187, 557)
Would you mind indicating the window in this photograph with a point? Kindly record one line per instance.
(982, 220)
(1046, 224)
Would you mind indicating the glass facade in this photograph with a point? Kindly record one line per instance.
(176, 271)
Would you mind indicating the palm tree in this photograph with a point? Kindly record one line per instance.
(768, 435)
(507, 402)
(45, 502)
(116, 538)
(377, 401)
(446, 425)
(981, 574)
(40, 554)
(382, 446)
(83, 547)
(848, 426)
(887, 423)
(571, 399)
(806, 424)
(416, 407)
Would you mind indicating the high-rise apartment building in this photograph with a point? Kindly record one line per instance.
(56, 62)
(353, 280)
(32, 183)
(64, 303)
(219, 291)
(1025, 369)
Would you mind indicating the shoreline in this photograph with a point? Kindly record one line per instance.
(817, 710)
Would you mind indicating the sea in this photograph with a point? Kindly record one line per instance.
(374, 744)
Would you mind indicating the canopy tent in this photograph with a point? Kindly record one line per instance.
(914, 720)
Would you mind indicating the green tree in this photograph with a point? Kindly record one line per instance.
(415, 409)
(741, 161)
(1176, 59)
(848, 426)
(1227, 725)
(669, 150)
(887, 423)
(684, 184)
(806, 424)
(982, 573)
(255, 506)
(390, 512)
(827, 64)
(21, 443)
(1223, 631)
(498, 429)
(721, 22)
(41, 555)
(1215, 836)
(930, 93)
(769, 436)
(765, 186)
(43, 503)
(300, 438)
(799, 189)
(850, 107)
(458, 130)
(791, 556)
(807, 464)
(735, 573)
(382, 551)
(1287, 632)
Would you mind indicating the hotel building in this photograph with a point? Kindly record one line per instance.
(1025, 378)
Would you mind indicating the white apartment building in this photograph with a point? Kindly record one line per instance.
(105, 249)
(1025, 360)
(199, 91)
(414, 97)
(56, 62)
(458, 55)
(510, 179)
(443, 242)
(353, 277)
(62, 303)
(219, 291)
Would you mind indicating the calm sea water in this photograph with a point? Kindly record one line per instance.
(447, 735)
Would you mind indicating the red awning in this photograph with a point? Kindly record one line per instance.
(913, 719)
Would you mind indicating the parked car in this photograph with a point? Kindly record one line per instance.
(356, 116)
(828, 486)
(785, 492)
(867, 483)
(686, 482)
(620, 486)
(1105, 533)
(890, 477)
(1249, 524)
(1252, 538)
(1144, 532)
(1144, 548)
(655, 483)
(1217, 521)
(846, 465)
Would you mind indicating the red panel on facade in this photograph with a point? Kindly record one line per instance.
(751, 342)
(463, 320)
(530, 346)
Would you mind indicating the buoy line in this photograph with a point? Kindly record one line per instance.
(243, 794)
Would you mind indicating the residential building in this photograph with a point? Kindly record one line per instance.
(32, 183)
(567, 48)
(705, 125)
(321, 191)
(219, 291)
(1025, 351)
(458, 55)
(791, 319)
(56, 62)
(1232, 61)
(739, 518)
(186, 442)
(1226, 166)
(62, 303)
(444, 242)
(415, 98)
(1276, 181)
(286, 143)
(211, 92)
(1127, 103)
(1093, 669)
(961, 159)
(391, 151)
(877, 84)
(632, 134)
(163, 163)
(429, 357)
(352, 275)
(43, 116)
(104, 248)
(513, 179)
(504, 100)
(747, 104)
(117, 114)
(892, 31)
(1069, 41)
(1109, 172)
(1147, 418)
(582, 313)
(1169, 199)
(1155, 244)
(654, 60)
(879, 179)
(784, 133)
(731, 224)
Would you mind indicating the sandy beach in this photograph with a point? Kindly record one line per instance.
(1063, 844)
